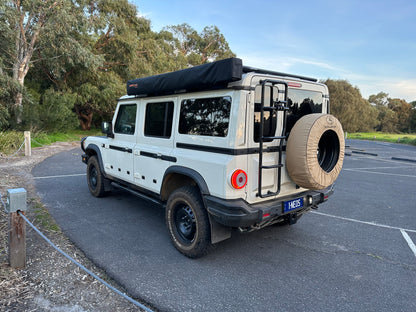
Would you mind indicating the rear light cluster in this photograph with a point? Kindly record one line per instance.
(295, 84)
(238, 179)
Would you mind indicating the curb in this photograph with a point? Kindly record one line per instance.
(404, 159)
(364, 153)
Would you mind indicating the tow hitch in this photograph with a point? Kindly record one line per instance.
(292, 218)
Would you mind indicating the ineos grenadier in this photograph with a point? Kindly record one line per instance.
(220, 146)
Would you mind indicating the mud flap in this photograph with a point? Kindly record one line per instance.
(219, 232)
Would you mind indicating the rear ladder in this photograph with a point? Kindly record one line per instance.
(273, 106)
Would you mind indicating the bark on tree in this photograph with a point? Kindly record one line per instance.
(26, 40)
(85, 118)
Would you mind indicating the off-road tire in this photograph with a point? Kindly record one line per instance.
(188, 223)
(315, 151)
(95, 178)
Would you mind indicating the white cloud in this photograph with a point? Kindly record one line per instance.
(282, 63)
(144, 14)
(396, 87)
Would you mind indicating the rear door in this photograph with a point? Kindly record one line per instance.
(152, 155)
(302, 98)
(271, 125)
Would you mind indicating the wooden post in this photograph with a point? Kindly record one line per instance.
(28, 149)
(16, 202)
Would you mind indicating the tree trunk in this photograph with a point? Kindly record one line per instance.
(18, 105)
(25, 45)
(85, 118)
(86, 121)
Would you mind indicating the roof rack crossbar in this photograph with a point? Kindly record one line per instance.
(248, 69)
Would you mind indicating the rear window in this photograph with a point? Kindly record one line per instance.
(159, 118)
(301, 103)
(205, 116)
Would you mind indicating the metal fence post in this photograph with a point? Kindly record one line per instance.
(28, 148)
(16, 202)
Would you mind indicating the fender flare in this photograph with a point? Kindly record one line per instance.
(196, 176)
(96, 151)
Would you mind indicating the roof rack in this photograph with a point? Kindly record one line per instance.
(248, 69)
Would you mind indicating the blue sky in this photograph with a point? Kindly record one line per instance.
(370, 43)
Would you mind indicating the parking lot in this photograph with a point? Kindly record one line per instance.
(355, 253)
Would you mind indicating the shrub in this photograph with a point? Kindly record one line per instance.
(56, 111)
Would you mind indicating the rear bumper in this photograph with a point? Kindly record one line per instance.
(239, 213)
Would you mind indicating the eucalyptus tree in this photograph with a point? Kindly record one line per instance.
(26, 27)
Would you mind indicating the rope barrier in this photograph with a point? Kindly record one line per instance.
(33, 140)
(138, 304)
(8, 157)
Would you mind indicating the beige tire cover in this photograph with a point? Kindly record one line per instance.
(302, 151)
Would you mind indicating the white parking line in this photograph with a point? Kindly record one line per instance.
(364, 222)
(409, 241)
(382, 173)
(61, 176)
(376, 168)
(403, 231)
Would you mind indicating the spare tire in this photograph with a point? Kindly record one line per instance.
(315, 151)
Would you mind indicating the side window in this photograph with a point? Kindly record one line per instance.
(158, 121)
(126, 119)
(205, 116)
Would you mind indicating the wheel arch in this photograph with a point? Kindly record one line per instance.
(94, 150)
(178, 176)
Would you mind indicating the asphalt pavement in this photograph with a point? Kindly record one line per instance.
(352, 254)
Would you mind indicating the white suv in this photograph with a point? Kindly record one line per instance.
(222, 146)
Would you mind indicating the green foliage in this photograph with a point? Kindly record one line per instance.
(388, 120)
(347, 104)
(380, 99)
(56, 110)
(8, 89)
(198, 48)
(385, 137)
(43, 138)
(10, 141)
(380, 112)
(72, 58)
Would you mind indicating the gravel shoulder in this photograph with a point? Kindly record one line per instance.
(50, 282)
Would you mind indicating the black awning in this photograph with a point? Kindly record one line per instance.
(208, 76)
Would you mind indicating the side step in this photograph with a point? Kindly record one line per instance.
(138, 194)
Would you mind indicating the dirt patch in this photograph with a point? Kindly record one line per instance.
(50, 282)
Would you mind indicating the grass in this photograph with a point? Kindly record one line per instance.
(403, 138)
(10, 141)
(70, 136)
(43, 217)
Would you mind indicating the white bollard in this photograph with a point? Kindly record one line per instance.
(28, 149)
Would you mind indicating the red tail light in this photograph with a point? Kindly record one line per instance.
(238, 179)
(295, 84)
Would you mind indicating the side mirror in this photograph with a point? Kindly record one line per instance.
(106, 128)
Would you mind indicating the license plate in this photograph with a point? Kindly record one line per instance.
(293, 204)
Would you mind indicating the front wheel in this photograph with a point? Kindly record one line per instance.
(188, 223)
(95, 178)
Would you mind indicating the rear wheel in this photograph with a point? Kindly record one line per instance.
(95, 178)
(188, 223)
